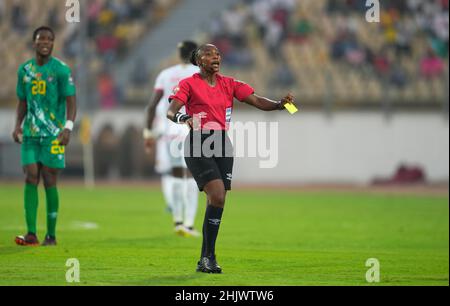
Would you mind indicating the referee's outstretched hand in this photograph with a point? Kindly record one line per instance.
(288, 99)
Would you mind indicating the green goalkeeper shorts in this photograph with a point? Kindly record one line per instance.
(45, 150)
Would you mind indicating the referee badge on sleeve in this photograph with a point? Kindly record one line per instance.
(228, 113)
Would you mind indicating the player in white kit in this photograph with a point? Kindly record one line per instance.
(179, 188)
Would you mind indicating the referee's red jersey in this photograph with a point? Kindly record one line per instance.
(212, 105)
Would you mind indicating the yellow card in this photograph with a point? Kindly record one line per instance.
(291, 108)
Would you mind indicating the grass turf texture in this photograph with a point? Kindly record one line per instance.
(266, 238)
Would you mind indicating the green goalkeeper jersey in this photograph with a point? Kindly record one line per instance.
(44, 88)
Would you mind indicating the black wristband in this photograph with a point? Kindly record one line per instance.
(280, 106)
(181, 118)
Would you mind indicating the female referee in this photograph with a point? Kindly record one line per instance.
(208, 98)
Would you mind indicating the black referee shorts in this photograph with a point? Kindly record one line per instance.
(209, 157)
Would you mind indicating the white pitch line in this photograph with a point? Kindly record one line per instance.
(76, 225)
(84, 225)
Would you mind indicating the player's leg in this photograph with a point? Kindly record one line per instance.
(178, 199)
(216, 194)
(204, 237)
(191, 203)
(31, 203)
(162, 166)
(50, 178)
(53, 161)
(208, 177)
(189, 186)
(32, 176)
(30, 153)
(166, 186)
(175, 153)
(216, 191)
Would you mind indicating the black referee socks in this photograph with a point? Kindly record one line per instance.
(211, 224)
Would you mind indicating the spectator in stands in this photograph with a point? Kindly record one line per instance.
(93, 11)
(2, 10)
(107, 90)
(140, 76)
(355, 54)
(431, 66)
(107, 45)
(18, 18)
(273, 39)
(406, 27)
(71, 46)
(303, 28)
(441, 23)
(381, 63)
(261, 12)
(283, 77)
(122, 10)
(234, 20)
(227, 34)
(280, 15)
(404, 38)
(398, 76)
(53, 18)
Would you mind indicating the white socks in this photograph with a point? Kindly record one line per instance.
(178, 199)
(181, 196)
(166, 182)
(191, 202)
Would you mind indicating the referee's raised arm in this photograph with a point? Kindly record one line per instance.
(266, 104)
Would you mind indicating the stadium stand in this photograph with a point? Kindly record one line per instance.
(325, 52)
(322, 49)
(114, 27)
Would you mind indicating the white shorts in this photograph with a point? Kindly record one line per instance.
(170, 148)
(162, 163)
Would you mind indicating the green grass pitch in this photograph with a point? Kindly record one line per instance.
(123, 236)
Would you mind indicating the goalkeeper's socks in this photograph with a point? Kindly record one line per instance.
(52, 210)
(31, 202)
(213, 218)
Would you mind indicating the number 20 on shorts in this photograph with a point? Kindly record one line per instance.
(56, 149)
